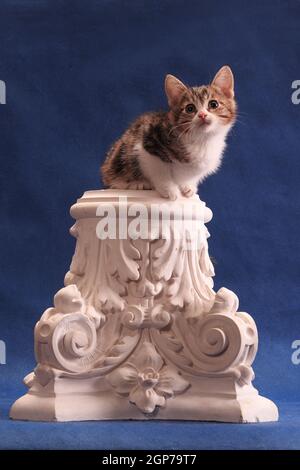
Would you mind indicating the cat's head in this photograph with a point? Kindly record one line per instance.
(203, 109)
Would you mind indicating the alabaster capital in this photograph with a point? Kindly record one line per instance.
(138, 330)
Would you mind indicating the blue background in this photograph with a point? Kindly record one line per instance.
(77, 72)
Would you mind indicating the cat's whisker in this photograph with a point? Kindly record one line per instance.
(176, 127)
(239, 114)
(193, 132)
(239, 121)
(185, 131)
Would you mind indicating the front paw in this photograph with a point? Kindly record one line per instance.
(188, 191)
(139, 185)
(169, 192)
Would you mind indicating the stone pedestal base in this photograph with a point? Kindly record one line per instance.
(138, 331)
(199, 403)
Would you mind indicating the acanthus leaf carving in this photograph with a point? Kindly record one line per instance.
(178, 262)
(102, 269)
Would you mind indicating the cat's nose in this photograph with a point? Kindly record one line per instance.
(202, 115)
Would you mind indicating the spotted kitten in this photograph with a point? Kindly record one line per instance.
(173, 151)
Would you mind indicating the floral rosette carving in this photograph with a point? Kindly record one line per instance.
(146, 380)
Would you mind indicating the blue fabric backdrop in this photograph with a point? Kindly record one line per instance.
(77, 72)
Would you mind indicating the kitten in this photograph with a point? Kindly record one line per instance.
(173, 151)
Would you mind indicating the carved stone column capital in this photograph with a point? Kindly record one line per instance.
(138, 331)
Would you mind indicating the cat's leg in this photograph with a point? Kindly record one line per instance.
(118, 184)
(188, 190)
(166, 187)
(143, 184)
(186, 181)
(168, 190)
(158, 173)
(123, 184)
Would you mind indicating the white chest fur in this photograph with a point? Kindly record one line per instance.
(168, 179)
(205, 157)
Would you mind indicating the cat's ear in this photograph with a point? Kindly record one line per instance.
(174, 90)
(225, 81)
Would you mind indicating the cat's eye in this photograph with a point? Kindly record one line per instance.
(213, 104)
(190, 108)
